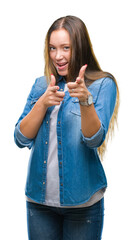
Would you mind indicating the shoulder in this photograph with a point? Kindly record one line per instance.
(106, 81)
(39, 87)
(41, 82)
(105, 85)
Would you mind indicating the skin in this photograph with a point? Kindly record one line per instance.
(60, 55)
(60, 51)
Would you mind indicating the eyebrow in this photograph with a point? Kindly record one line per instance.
(60, 45)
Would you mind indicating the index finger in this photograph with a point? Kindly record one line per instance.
(72, 85)
(54, 88)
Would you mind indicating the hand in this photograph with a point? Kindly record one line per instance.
(78, 88)
(52, 96)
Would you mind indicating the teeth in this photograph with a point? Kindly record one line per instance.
(61, 64)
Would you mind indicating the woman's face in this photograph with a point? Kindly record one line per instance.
(60, 52)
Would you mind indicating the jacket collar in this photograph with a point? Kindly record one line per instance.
(61, 78)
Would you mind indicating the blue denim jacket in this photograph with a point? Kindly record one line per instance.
(80, 170)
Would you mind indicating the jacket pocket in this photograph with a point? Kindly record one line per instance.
(75, 106)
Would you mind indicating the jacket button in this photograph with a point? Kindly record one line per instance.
(43, 183)
(61, 184)
(45, 162)
(59, 122)
(46, 142)
(47, 122)
(59, 142)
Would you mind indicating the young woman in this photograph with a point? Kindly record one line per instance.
(68, 114)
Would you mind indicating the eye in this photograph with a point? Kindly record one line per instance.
(51, 48)
(66, 48)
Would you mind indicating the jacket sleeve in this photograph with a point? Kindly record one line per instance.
(20, 140)
(104, 106)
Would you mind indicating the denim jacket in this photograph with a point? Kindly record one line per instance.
(81, 173)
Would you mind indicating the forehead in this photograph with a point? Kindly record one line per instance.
(60, 36)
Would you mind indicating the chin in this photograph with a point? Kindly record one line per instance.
(63, 73)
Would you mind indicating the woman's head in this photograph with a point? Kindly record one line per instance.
(73, 31)
(60, 51)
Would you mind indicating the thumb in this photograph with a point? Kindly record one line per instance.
(53, 80)
(82, 71)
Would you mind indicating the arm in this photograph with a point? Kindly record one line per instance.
(31, 123)
(90, 122)
(31, 119)
(95, 118)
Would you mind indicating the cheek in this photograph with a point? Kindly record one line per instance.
(52, 56)
(69, 56)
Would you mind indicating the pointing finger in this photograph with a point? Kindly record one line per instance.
(54, 88)
(71, 85)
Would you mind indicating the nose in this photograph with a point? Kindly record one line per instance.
(59, 55)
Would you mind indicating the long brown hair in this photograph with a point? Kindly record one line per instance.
(81, 53)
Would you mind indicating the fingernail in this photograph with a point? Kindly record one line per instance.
(51, 74)
(86, 65)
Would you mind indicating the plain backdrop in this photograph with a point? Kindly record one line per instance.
(23, 26)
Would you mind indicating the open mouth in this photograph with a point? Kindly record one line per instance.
(61, 66)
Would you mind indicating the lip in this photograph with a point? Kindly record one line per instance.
(61, 66)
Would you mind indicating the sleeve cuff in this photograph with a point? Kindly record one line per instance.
(96, 140)
(20, 139)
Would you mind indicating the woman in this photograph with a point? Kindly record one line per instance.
(65, 121)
